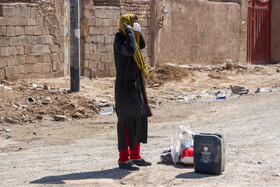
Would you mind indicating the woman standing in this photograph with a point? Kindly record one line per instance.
(130, 94)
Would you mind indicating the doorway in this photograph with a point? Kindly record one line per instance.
(259, 31)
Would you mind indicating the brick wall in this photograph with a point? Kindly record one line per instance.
(99, 25)
(141, 8)
(30, 41)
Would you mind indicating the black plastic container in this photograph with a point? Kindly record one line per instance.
(209, 153)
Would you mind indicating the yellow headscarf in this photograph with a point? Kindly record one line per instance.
(128, 19)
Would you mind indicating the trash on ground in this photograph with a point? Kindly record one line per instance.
(238, 89)
(181, 148)
(223, 97)
(107, 110)
(265, 90)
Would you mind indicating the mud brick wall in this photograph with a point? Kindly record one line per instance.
(30, 40)
(197, 32)
(99, 25)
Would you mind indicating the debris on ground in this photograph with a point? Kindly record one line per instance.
(238, 89)
(32, 100)
(28, 102)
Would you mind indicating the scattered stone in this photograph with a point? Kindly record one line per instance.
(34, 85)
(8, 137)
(278, 175)
(47, 87)
(73, 105)
(34, 133)
(7, 130)
(60, 118)
(260, 162)
(123, 183)
(47, 101)
(40, 117)
(91, 102)
(55, 88)
(77, 115)
(278, 70)
(31, 99)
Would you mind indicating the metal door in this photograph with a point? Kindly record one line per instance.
(259, 25)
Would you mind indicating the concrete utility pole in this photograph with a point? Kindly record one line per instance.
(75, 45)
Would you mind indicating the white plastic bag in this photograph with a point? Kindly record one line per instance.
(182, 140)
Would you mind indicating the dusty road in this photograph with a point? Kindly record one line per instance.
(84, 151)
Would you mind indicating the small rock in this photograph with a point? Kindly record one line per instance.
(47, 100)
(123, 183)
(156, 85)
(60, 118)
(8, 130)
(31, 99)
(77, 115)
(34, 133)
(34, 85)
(260, 162)
(278, 70)
(55, 88)
(278, 175)
(8, 137)
(40, 117)
(47, 87)
(91, 102)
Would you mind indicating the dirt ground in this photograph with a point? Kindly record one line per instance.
(81, 150)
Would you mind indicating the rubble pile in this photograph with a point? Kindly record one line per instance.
(23, 103)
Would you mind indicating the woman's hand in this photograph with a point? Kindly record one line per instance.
(127, 26)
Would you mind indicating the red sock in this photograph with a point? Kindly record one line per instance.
(135, 154)
(124, 154)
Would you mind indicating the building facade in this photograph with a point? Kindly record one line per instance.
(34, 34)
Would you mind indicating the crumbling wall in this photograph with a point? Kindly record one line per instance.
(100, 24)
(31, 39)
(196, 32)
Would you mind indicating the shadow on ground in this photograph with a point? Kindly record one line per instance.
(193, 175)
(178, 165)
(115, 174)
